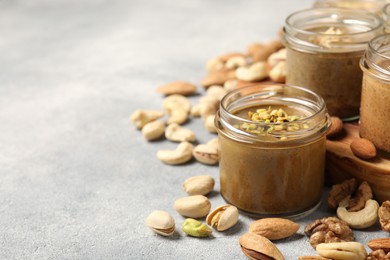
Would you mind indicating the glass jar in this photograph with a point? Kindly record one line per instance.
(272, 168)
(324, 47)
(386, 17)
(375, 103)
(374, 6)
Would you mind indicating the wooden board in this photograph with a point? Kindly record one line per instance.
(342, 164)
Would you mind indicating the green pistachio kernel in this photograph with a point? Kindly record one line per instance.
(195, 228)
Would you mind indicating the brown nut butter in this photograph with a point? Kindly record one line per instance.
(375, 102)
(272, 167)
(324, 47)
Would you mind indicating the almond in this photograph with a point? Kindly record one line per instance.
(335, 128)
(177, 87)
(363, 148)
(218, 77)
(380, 243)
(274, 228)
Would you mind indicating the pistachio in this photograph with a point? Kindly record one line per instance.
(195, 206)
(199, 185)
(256, 246)
(161, 222)
(195, 228)
(223, 217)
(176, 133)
(206, 154)
(213, 143)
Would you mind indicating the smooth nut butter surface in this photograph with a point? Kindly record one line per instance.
(375, 112)
(334, 76)
(284, 176)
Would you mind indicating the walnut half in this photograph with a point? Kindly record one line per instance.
(328, 230)
(384, 215)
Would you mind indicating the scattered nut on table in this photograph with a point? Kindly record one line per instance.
(153, 130)
(255, 72)
(182, 154)
(161, 222)
(223, 217)
(384, 215)
(363, 218)
(256, 246)
(177, 87)
(199, 185)
(328, 230)
(141, 117)
(379, 243)
(274, 228)
(176, 133)
(342, 250)
(195, 206)
(206, 154)
(195, 228)
(340, 191)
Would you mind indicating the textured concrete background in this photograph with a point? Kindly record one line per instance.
(77, 179)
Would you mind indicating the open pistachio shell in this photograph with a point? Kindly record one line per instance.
(223, 217)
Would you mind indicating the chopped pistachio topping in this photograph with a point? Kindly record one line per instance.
(271, 116)
(275, 118)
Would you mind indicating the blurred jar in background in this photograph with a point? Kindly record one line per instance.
(374, 6)
(375, 104)
(324, 47)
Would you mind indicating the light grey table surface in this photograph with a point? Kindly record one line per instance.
(77, 179)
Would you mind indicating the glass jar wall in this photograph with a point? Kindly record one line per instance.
(375, 102)
(272, 168)
(324, 47)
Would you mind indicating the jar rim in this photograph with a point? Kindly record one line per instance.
(366, 25)
(319, 116)
(374, 54)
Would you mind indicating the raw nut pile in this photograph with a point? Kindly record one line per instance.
(225, 73)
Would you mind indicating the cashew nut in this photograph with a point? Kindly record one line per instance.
(178, 107)
(216, 91)
(195, 110)
(209, 123)
(178, 116)
(278, 72)
(153, 130)
(256, 72)
(235, 62)
(141, 117)
(182, 154)
(175, 101)
(276, 57)
(214, 64)
(363, 218)
(230, 85)
(176, 133)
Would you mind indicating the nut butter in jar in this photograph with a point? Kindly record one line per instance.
(272, 144)
(375, 102)
(324, 47)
